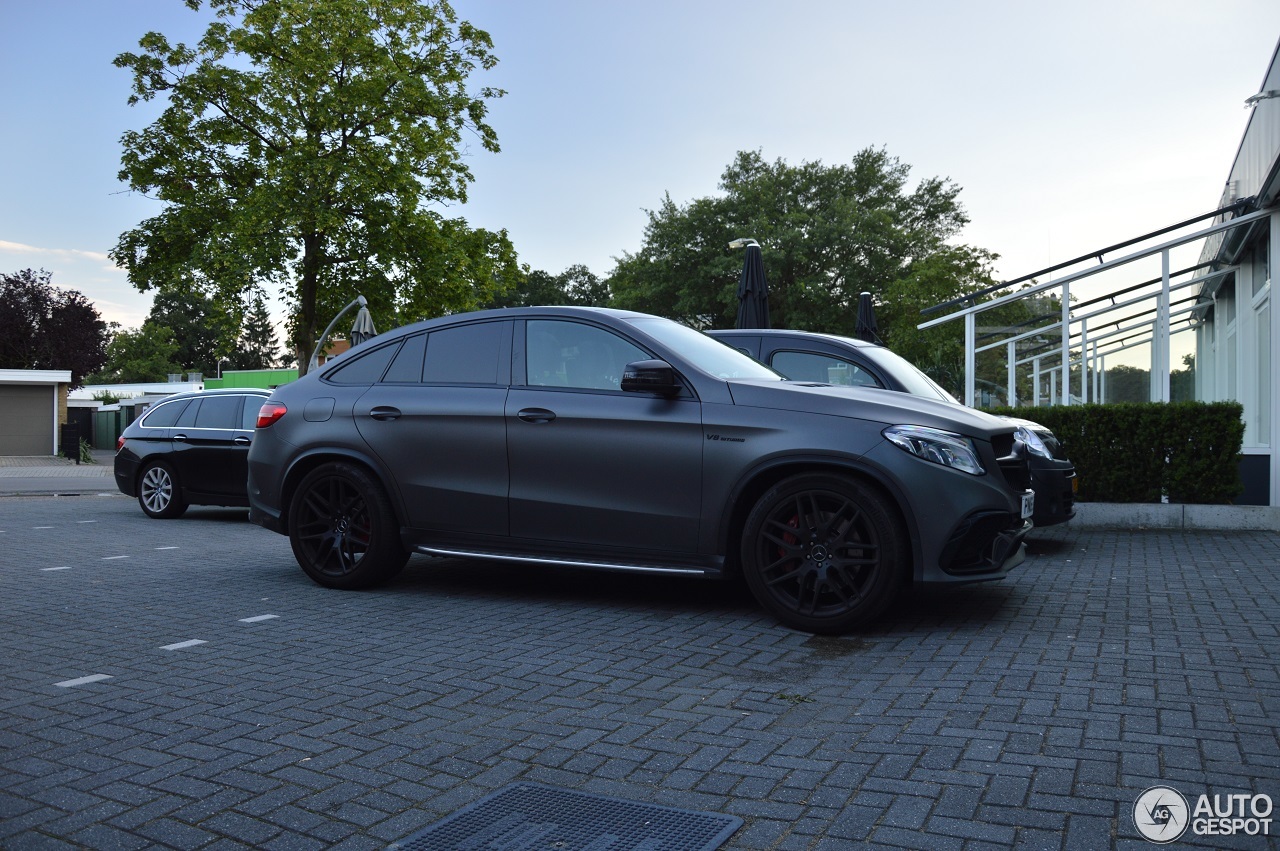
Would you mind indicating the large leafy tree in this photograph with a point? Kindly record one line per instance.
(44, 327)
(301, 146)
(827, 233)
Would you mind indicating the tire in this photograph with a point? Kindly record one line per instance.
(343, 529)
(159, 493)
(823, 553)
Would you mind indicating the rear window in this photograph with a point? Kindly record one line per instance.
(165, 414)
(249, 415)
(220, 412)
(364, 368)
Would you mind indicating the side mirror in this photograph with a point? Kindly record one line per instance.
(651, 376)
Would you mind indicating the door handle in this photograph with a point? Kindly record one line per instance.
(241, 441)
(384, 412)
(537, 415)
(181, 438)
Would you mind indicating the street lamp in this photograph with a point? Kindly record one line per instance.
(221, 361)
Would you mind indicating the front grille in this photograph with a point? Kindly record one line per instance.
(1016, 471)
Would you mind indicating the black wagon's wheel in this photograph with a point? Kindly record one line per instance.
(158, 492)
(343, 529)
(823, 553)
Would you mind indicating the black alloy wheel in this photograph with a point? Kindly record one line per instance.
(343, 529)
(158, 492)
(823, 553)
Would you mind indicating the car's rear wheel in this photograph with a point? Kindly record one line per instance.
(158, 492)
(343, 529)
(823, 553)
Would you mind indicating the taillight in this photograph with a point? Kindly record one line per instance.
(270, 412)
(120, 443)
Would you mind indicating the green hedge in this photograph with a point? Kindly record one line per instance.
(1187, 451)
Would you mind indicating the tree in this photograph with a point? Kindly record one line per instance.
(827, 233)
(576, 285)
(299, 146)
(258, 348)
(43, 327)
(202, 329)
(143, 355)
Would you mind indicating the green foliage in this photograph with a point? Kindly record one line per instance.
(1187, 451)
(827, 233)
(258, 347)
(86, 452)
(44, 327)
(300, 144)
(146, 354)
(106, 397)
(576, 285)
(202, 328)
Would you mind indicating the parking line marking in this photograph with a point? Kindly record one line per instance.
(258, 618)
(112, 558)
(86, 521)
(92, 678)
(41, 527)
(168, 548)
(183, 644)
(47, 569)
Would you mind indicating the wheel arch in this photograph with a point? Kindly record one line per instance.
(759, 480)
(305, 463)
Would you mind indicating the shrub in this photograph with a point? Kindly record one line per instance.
(1187, 451)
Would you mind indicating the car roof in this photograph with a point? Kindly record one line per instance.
(220, 391)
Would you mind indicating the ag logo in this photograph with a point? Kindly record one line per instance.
(1161, 814)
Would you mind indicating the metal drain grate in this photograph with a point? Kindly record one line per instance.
(529, 817)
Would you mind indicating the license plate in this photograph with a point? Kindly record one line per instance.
(1028, 504)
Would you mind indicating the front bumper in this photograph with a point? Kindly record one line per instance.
(1054, 484)
(985, 545)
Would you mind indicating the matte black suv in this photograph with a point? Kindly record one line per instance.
(189, 449)
(606, 439)
(802, 355)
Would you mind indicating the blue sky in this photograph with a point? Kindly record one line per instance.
(1069, 126)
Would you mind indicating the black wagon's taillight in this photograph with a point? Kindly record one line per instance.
(270, 412)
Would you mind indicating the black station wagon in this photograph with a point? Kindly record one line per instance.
(606, 439)
(189, 449)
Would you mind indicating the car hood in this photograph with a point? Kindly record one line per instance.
(867, 403)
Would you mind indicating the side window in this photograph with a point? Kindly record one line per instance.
(219, 412)
(407, 366)
(366, 368)
(165, 414)
(561, 353)
(249, 415)
(467, 354)
(188, 417)
(826, 369)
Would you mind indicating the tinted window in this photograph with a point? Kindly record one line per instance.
(219, 412)
(571, 354)
(166, 414)
(827, 369)
(249, 416)
(365, 368)
(188, 417)
(407, 365)
(467, 354)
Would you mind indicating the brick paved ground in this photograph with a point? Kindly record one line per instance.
(1030, 713)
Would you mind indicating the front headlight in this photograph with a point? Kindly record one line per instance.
(940, 447)
(1032, 441)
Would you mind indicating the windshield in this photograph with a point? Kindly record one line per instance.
(707, 354)
(916, 382)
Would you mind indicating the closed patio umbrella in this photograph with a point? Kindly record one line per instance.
(363, 328)
(866, 328)
(753, 290)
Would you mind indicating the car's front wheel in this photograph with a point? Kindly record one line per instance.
(343, 529)
(158, 492)
(823, 553)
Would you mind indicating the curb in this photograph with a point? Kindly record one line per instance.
(1131, 516)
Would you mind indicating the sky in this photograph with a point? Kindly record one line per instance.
(1068, 126)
